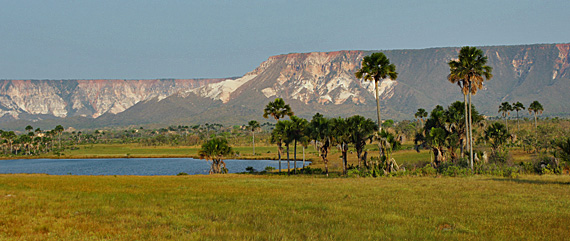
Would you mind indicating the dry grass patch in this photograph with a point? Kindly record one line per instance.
(279, 207)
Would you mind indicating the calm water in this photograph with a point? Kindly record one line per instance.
(130, 166)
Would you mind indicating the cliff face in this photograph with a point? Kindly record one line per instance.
(311, 82)
(87, 98)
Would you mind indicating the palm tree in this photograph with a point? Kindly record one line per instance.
(277, 136)
(505, 109)
(421, 114)
(284, 128)
(319, 130)
(497, 134)
(376, 67)
(214, 150)
(10, 137)
(298, 130)
(535, 107)
(361, 129)
(253, 125)
(471, 70)
(29, 128)
(517, 107)
(341, 132)
(278, 109)
(59, 129)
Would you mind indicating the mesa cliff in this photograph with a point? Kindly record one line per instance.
(311, 82)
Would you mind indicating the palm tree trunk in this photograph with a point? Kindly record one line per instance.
(470, 130)
(303, 156)
(378, 113)
(295, 157)
(506, 123)
(344, 158)
(279, 152)
(466, 125)
(288, 162)
(253, 140)
(517, 120)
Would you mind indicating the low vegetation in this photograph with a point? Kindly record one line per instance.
(263, 207)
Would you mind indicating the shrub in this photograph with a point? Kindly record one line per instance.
(309, 170)
(269, 168)
(353, 173)
(250, 169)
(511, 172)
(182, 174)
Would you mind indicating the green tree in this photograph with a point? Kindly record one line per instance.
(214, 150)
(420, 115)
(253, 125)
(320, 131)
(472, 70)
(341, 136)
(534, 108)
(278, 136)
(59, 129)
(505, 108)
(285, 129)
(361, 130)
(497, 135)
(298, 131)
(277, 109)
(518, 107)
(563, 151)
(377, 67)
(10, 137)
(388, 143)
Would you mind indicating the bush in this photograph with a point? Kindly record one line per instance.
(182, 174)
(309, 170)
(511, 172)
(269, 168)
(353, 173)
(250, 169)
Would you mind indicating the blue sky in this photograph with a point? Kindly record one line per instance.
(146, 39)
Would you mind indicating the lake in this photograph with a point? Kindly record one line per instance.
(130, 166)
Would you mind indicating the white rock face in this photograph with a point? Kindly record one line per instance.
(222, 90)
(325, 78)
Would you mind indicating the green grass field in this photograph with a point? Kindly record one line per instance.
(252, 207)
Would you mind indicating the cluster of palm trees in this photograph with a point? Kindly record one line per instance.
(322, 132)
(505, 108)
(34, 142)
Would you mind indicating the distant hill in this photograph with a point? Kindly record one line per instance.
(310, 82)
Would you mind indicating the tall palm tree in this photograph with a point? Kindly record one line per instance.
(421, 114)
(535, 107)
(472, 70)
(376, 67)
(278, 109)
(505, 108)
(214, 150)
(253, 125)
(518, 107)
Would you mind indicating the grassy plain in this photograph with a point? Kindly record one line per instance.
(270, 207)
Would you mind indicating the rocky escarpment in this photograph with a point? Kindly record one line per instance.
(310, 82)
(87, 98)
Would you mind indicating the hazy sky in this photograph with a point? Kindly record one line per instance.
(146, 39)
